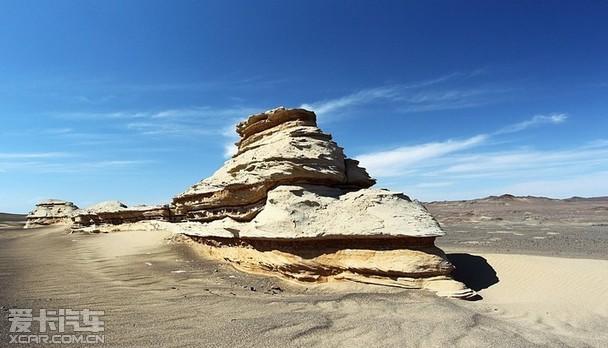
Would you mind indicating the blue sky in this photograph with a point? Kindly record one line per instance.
(136, 100)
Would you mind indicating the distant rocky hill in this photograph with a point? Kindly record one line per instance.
(12, 217)
(521, 209)
(8, 220)
(511, 198)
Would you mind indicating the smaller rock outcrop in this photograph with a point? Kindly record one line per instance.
(51, 212)
(115, 212)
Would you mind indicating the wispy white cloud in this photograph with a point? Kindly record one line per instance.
(204, 112)
(434, 184)
(471, 168)
(428, 95)
(451, 99)
(170, 128)
(231, 137)
(116, 115)
(93, 100)
(32, 155)
(116, 163)
(597, 143)
(537, 120)
(195, 112)
(394, 162)
(57, 166)
(586, 185)
(58, 131)
(358, 98)
(568, 172)
(225, 83)
(60, 162)
(197, 120)
(508, 162)
(230, 149)
(402, 160)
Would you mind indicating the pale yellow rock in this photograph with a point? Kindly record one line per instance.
(51, 212)
(312, 211)
(272, 153)
(116, 213)
(420, 268)
(290, 204)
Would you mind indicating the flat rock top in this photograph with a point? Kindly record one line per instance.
(116, 206)
(54, 202)
(105, 206)
(268, 119)
(52, 208)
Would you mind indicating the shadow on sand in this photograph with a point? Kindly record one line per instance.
(474, 271)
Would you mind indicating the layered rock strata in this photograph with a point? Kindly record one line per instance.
(289, 203)
(115, 213)
(278, 147)
(51, 212)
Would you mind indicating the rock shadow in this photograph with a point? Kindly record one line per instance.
(474, 271)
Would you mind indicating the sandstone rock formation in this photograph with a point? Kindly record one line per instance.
(290, 203)
(51, 212)
(115, 213)
(278, 147)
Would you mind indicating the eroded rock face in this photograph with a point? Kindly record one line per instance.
(323, 212)
(51, 212)
(397, 262)
(115, 213)
(290, 204)
(278, 147)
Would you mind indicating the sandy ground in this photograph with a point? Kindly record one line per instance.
(158, 293)
(11, 220)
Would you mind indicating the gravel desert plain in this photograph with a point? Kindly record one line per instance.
(539, 265)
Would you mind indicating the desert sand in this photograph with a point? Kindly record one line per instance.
(156, 291)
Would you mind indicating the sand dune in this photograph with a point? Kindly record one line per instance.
(159, 293)
(565, 297)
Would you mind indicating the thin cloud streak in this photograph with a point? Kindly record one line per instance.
(198, 120)
(358, 98)
(230, 149)
(402, 160)
(534, 121)
(493, 163)
(196, 112)
(153, 128)
(586, 185)
(560, 173)
(576, 170)
(413, 97)
(32, 155)
(393, 162)
(69, 167)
